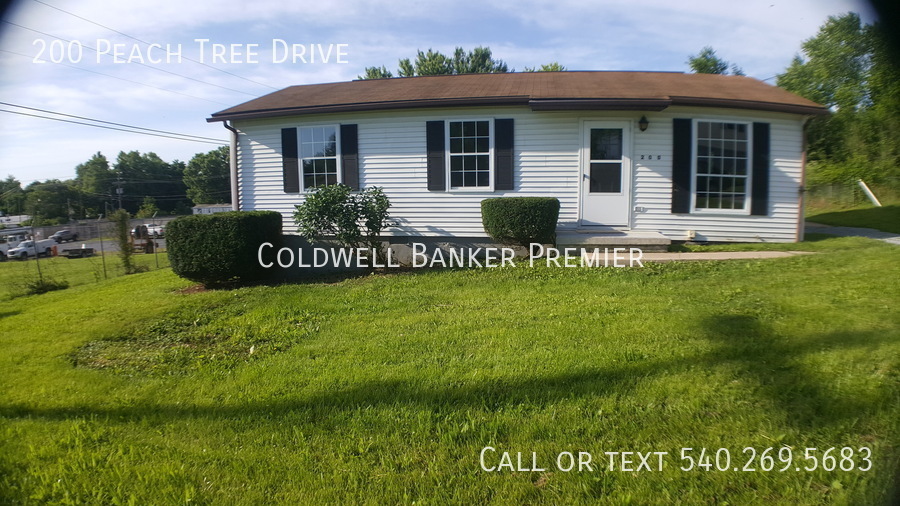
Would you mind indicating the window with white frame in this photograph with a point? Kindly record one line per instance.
(470, 154)
(318, 156)
(722, 166)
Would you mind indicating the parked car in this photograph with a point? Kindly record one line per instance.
(13, 239)
(156, 231)
(64, 235)
(31, 248)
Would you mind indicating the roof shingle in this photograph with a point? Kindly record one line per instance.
(539, 90)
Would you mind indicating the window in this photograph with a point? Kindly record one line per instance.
(606, 160)
(722, 166)
(470, 154)
(318, 156)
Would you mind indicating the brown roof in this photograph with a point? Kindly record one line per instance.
(646, 91)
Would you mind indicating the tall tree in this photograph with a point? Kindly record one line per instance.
(207, 177)
(547, 67)
(12, 196)
(94, 180)
(147, 175)
(53, 201)
(848, 67)
(478, 61)
(376, 73)
(148, 208)
(406, 68)
(431, 63)
(836, 65)
(707, 62)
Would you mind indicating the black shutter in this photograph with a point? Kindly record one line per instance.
(503, 154)
(290, 167)
(759, 205)
(434, 142)
(350, 156)
(681, 165)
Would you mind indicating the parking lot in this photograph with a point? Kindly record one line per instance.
(105, 245)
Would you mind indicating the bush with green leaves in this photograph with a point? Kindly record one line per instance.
(44, 285)
(353, 219)
(221, 248)
(521, 220)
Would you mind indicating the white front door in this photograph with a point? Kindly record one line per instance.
(606, 174)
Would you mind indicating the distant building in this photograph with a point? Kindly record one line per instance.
(14, 220)
(211, 208)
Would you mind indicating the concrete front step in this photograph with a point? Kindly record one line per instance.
(645, 240)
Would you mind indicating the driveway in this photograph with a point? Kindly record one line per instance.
(818, 228)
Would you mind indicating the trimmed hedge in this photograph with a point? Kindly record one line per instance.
(221, 248)
(521, 220)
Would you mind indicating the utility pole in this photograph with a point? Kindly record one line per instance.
(119, 189)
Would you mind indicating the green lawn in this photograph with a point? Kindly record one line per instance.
(385, 388)
(15, 274)
(886, 218)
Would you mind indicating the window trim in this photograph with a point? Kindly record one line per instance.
(448, 156)
(337, 153)
(695, 140)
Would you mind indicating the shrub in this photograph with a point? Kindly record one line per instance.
(521, 220)
(44, 285)
(221, 248)
(121, 218)
(354, 219)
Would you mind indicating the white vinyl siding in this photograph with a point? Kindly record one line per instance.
(653, 181)
(392, 155)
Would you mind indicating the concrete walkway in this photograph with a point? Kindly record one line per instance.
(818, 228)
(719, 255)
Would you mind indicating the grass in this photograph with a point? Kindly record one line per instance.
(385, 388)
(886, 218)
(17, 275)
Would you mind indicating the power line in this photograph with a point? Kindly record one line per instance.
(120, 78)
(111, 128)
(136, 63)
(111, 123)
(147, 43)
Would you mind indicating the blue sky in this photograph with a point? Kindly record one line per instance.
(759, 36)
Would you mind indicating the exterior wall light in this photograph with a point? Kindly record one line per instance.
(643, 123)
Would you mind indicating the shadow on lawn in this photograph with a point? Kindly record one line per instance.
(772, 362)
(5, 314)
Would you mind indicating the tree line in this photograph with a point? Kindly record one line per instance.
(149, 186)
(852, 68)
(434, 63)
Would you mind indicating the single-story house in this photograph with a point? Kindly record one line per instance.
(211, 208)
(629, 154)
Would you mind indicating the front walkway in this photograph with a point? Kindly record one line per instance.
(719, 255)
